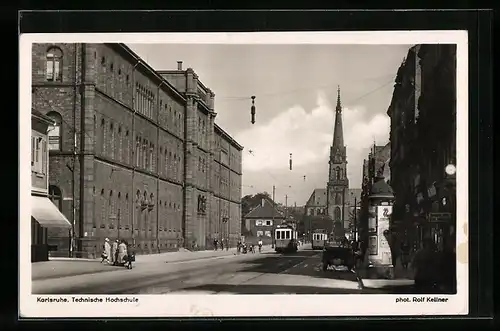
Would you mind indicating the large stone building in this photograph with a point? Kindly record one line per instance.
(423, 143)
(135, 153)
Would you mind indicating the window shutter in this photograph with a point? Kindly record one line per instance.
(44, 157)
(33, 147)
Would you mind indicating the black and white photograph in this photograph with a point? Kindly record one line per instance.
(218, 174)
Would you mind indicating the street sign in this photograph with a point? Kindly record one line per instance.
(439, 217)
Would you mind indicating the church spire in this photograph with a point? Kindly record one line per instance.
(338, 133)
(339, 107)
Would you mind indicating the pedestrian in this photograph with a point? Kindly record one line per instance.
(106, 251)
(114, 251)
(405, 254)
(130, 256)
(425, 266)
(216, 243)
(122, 253)
(222, 244)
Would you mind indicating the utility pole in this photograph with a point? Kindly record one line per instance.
(274, 225)
(355, 216)
(343, 205)
(286, 206)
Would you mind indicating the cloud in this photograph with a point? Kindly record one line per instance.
(308, 136)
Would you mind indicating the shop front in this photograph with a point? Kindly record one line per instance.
(44, 215)
(440, 215)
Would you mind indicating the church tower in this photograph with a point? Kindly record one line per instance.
(338, 184)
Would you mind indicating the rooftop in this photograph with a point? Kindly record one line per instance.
(265, 211)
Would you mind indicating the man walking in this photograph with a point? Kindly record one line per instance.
(106, 251)
(114, 252)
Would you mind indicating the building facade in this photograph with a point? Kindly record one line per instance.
(133, 149)
(423, 143)
(45, 214)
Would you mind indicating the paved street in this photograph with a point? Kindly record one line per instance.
(265, 273)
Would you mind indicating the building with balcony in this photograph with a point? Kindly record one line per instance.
(45, 213)
(133, 151)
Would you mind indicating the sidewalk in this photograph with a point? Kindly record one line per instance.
(402, 278)
(64, 267)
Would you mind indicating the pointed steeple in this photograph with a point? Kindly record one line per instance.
(338, 132)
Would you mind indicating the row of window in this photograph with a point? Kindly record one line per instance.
(202, 133)
(112, 67)
(115, 211)
(263, 223)
(202, 164)
(117, 143)
(318, 211)
(339, 173)
(264, 234)
(174, 118)
(283, 234)
(144, 100)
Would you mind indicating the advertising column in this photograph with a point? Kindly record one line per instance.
(379, 250)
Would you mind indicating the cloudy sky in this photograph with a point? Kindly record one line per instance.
(296, 91)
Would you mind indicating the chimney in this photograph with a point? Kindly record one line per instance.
(179, 65)
(262, 202)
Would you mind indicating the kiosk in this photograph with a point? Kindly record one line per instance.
(379, 257)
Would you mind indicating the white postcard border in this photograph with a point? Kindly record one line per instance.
(255, 305)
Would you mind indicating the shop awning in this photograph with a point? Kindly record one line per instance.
(47, 214)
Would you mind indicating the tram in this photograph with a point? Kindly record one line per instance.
(319, 238)
(285, 238)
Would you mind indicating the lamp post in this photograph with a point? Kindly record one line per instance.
(225, 222)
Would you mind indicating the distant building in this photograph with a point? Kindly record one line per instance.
(316, 204)
(263, 219)
(45, 214)
(338, 183)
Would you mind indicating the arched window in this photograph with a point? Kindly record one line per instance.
(55, 196)
(341, 173)
(337, 214)
(55, 132)
(138, 197)
(112, 139)
(54, 65)
(111, 209)
(338, 198)
(337, 173)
